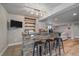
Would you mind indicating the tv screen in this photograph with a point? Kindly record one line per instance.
(14, 23)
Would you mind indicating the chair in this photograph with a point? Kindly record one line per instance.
(58, 44)
(38, 48)
(48, 46)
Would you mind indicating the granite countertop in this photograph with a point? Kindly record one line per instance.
(30, 42)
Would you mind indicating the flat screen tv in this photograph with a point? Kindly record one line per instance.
(16, 24)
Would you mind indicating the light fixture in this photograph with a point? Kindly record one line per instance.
(74, 14)
(36, 12)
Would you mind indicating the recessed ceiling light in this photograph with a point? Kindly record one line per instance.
(74, 14)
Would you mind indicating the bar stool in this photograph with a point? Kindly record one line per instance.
(48, 46)
(38, 48)
(58, 44)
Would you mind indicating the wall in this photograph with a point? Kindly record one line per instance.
(64, 30)
(76, 31)
(3, 29)
(14, 34)
(61, 29)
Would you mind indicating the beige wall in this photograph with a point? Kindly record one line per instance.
(76, 30)
(14, 34)
(3, 29)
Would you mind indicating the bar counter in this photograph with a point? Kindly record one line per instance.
(28, 41)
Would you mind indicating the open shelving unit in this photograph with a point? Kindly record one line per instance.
(29, 24)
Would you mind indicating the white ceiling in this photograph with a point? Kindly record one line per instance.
(64, 16)
(20, 9)
(68, 15)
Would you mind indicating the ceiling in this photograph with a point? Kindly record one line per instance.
(64, 16)
(68, 15)
(20, 8)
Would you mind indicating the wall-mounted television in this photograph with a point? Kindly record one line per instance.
(14, 23)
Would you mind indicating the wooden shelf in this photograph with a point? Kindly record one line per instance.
(29, 23)
(29, 26)
(30, 18)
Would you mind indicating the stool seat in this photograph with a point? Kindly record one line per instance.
(39, 42)
(48, 40)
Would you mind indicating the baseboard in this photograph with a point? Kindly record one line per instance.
(3, 51)
(17, 43)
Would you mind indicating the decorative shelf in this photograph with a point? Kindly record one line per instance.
(29, 26)
(30, 29)
(29, 23)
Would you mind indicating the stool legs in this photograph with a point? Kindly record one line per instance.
(37, 49)
(59, 45)
(48, 48)
(54, 47)
(45, 46)
(59, 50)
(34, 50)
(40, 51)
(45, 51)
(62, 46)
